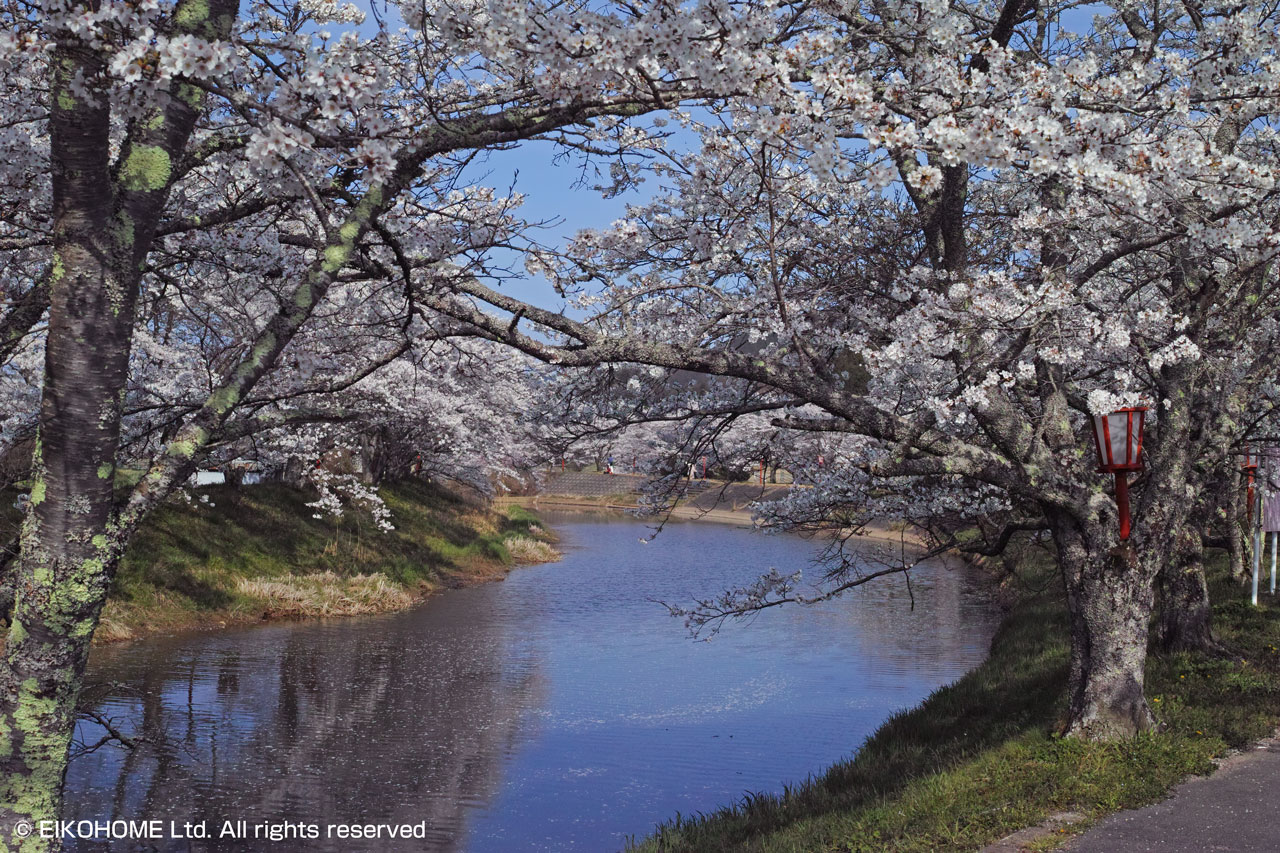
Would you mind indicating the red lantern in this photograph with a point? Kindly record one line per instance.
(1118, 439)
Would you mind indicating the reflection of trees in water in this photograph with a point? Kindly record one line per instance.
(910, 628)
(383, 723)
(411, 717)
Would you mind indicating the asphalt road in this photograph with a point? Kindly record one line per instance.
(1235, 809)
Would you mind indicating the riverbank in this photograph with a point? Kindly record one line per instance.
(979, 759)
(237, 556)
(430, 708)
(620, 504)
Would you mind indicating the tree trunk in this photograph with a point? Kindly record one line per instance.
(374, 448)
(66, 558)
(1236, 553)
(1110, 604)
(294, 473)
(1111, 582)
(1186, 616)
(1108, 702)
(104, 220)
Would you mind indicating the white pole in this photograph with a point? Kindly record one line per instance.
(1257, 541)
(1275, 542)
(1257, 558)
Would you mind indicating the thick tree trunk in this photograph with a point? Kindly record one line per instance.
(1111, 583)
(1186, 617)
(66, 557)
(375, 448)
(104, 219)
(294, 473)
(1110, 604)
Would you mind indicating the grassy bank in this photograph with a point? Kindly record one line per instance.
(979, 759)
(259, 552)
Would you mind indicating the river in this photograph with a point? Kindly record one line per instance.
(561, 709)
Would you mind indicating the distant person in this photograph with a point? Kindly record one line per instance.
(609, 466)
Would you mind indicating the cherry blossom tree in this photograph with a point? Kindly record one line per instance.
(966, 232)
(933, 237)
(234, 217)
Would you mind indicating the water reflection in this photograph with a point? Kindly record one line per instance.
(558, 710)
(352, 721)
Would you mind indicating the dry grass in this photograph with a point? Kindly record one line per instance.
(524, 549)
(326, 594)
(111, 631)
(483, 522)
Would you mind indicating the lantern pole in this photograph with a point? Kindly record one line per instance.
(1122, 502)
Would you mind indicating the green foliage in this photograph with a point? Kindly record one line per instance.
(521, 520)
(980, 758)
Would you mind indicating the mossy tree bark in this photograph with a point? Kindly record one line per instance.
(104, 219)
(62, 572)
(1110, 584)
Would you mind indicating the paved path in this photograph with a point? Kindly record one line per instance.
(1236, 809)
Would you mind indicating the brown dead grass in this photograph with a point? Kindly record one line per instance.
(524, 549)
(260, 553)
(326, 594)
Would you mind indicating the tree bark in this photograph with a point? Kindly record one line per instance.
(1236, 546)
(104, 219)
(65, 562)
(1186, 617)
(1110, 605)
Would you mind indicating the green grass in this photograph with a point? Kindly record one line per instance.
(188, 563)
(979, 759)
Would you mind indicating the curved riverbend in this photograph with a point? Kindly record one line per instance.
(559, 710)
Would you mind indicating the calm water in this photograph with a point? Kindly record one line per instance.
(559, 710)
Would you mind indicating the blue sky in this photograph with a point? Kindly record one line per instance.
(557, 191)
(556, 188)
